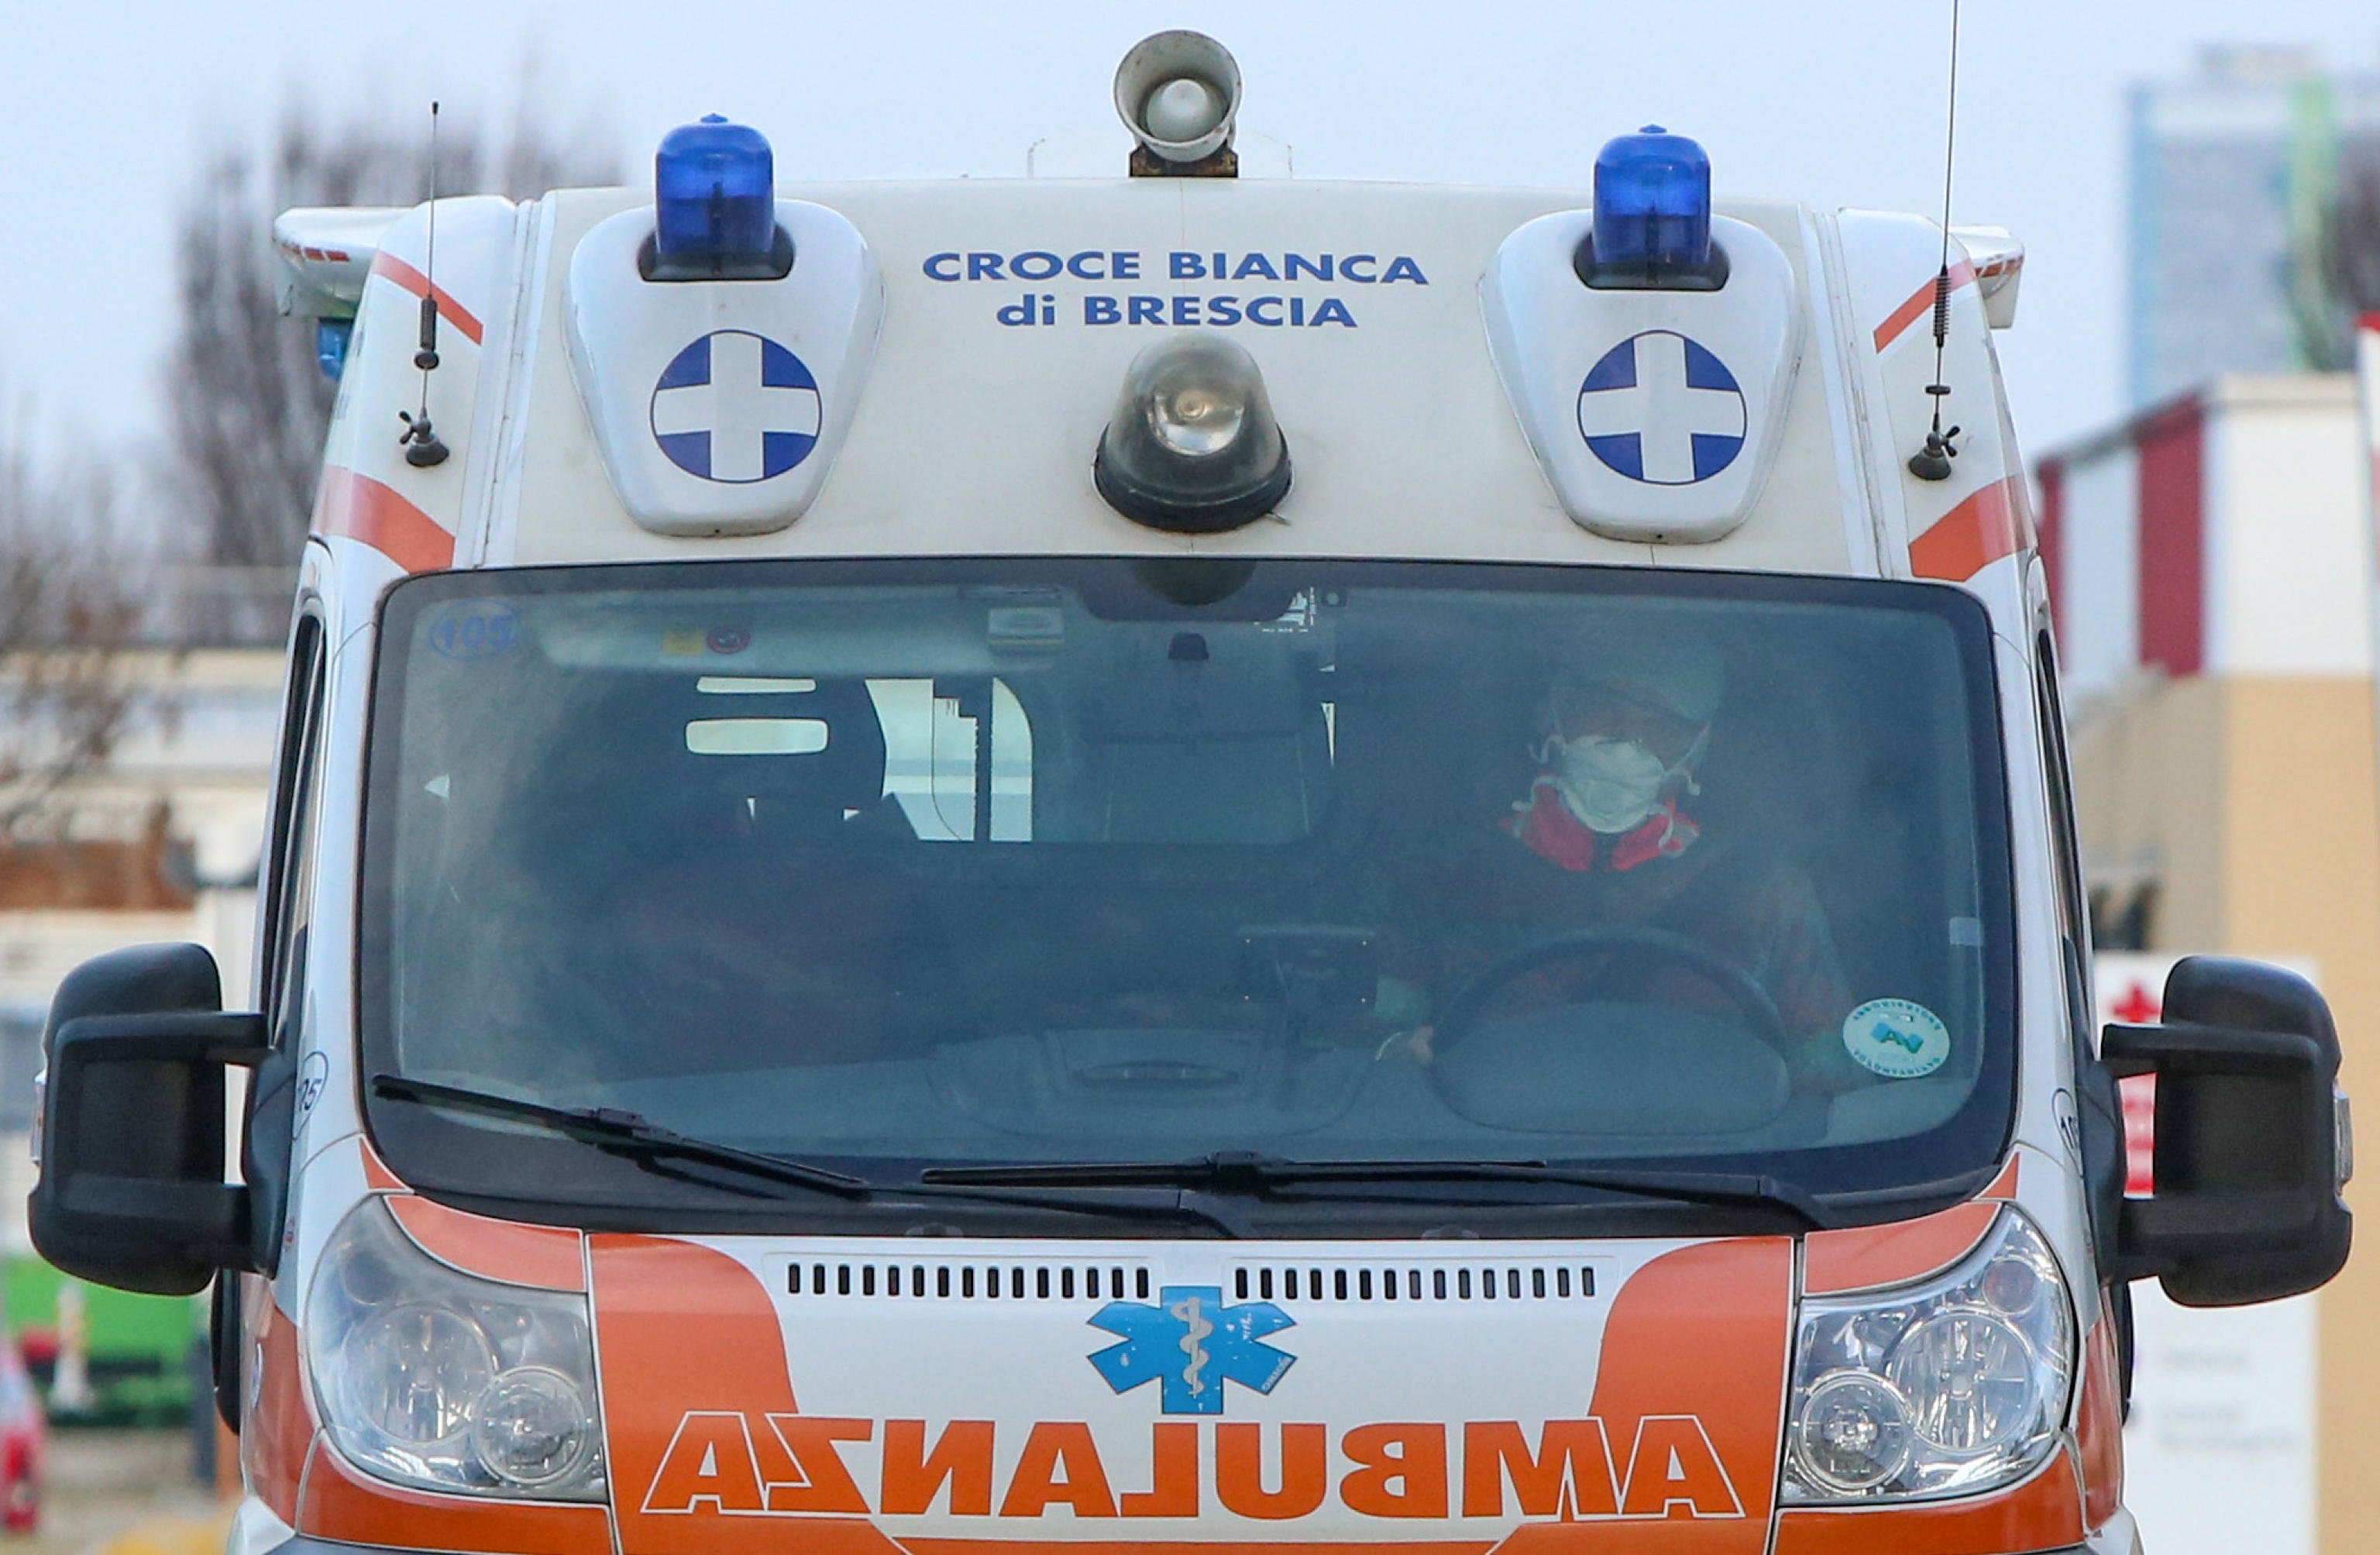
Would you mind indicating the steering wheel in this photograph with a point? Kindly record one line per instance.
(1642, 946)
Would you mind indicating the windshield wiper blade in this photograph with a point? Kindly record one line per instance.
(625, 1134)
(1234, 1172)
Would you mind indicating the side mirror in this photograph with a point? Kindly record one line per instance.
(2253, 1143)
(131, 1191)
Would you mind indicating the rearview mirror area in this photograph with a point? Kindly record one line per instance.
(2252, 1146)
(131, 1191)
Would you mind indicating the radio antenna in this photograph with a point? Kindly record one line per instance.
(423, 447)
(1933, 461)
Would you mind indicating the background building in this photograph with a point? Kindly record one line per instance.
(2234, 170)
(2210, 564)
(157, 840)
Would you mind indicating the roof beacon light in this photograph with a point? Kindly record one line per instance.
(1193, 447)
(715, 208)
(1179, 94)
(1652, 216)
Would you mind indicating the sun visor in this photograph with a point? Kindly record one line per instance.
(719, 405)
(1654, 412)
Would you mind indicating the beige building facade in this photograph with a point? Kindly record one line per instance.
(2211, 563)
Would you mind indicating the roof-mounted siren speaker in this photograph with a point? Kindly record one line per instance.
(1179, 94)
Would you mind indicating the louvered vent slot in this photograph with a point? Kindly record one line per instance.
(1409, 1282)
(968, 1281)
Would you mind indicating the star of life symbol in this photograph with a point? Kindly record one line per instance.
(1190, 1345)
(1660, 408)
(735, 406)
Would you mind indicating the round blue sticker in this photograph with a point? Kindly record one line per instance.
(1897, 1039)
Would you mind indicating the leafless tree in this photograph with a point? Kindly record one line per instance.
(69, 597)
(248, 405)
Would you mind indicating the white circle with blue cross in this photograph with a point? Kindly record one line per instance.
(1660, 408)
(737, 407)
(1898, 1039)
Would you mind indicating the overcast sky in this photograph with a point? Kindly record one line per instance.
(110, 108)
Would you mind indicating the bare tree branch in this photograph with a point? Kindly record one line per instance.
(249, 406)
(69, 597)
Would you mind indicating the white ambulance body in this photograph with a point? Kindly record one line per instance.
(931, 891)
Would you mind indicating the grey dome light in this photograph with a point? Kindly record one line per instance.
(1193, 447)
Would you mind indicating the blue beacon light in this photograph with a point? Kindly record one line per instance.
(715, 208)
(331, 337)
(1653, 213)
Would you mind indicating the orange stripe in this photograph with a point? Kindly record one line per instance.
(412, 280)
(1920, 301)
(376, 1173)
(1867, 1258)
(341, 1503)
(545, 1256)
(1970, 537)
(1705, 1331)
(2045, 1513)
(940, 1546)
(2100, 1429)
(281, 1421)
(361, 508)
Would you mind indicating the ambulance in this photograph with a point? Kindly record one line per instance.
(1182, 862)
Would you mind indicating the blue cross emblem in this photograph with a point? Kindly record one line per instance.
(1190, 1343)
(735, 406)
(1660, 408)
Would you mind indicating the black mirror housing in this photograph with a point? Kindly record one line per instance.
(131, 1191)
(2251, 1138)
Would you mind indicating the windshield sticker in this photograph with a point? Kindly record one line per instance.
(1897, 1039)
(476, 631)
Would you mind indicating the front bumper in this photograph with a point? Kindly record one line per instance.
(251, 1535)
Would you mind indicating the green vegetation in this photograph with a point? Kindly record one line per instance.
(138, 1346)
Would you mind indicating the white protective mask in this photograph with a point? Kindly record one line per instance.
(1611, 786)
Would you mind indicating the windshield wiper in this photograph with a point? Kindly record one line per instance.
(625, 1134)
(631, 1136)
(1241, 1172)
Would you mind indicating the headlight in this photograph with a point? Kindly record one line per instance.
(436, 1379)
(1949, 1388)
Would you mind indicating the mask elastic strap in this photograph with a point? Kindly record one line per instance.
(1690, 760)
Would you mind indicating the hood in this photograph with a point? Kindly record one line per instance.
(1610, 1395)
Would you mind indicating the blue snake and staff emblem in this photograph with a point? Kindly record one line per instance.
(1190, 1343)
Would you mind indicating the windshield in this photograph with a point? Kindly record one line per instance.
(898, 866)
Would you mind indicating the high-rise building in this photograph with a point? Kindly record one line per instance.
(2233, 169)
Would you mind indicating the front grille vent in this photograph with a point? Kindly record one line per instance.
(969, 1281)
(1406, 1283)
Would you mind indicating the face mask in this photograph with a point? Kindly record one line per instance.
(1611, 786)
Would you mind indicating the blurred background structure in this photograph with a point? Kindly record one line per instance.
(2249, 177)
(140, 684)
(2211, 560)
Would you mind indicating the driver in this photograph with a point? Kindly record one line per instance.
(1606, 835)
